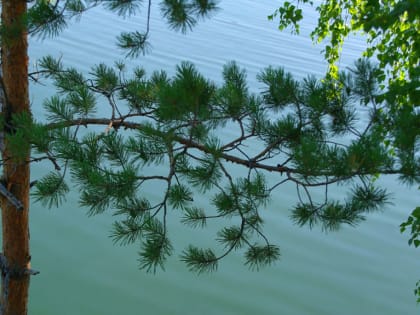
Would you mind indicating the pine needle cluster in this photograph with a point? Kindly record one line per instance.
(307, 132)
(47, 18)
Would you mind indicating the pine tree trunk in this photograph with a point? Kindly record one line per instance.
(15, 259)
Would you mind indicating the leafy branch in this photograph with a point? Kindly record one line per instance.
(302, 132)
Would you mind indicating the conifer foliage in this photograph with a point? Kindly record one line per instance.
(307, 133)
(117, 131)
(391, 29)
(20, 18)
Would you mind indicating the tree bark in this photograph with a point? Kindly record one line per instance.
(15, 259)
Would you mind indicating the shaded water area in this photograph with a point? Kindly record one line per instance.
(365, 270)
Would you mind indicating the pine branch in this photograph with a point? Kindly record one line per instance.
(227, 157)
(304, 132)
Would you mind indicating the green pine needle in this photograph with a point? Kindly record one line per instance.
(199, 260)
(258, 256)
(51, 190)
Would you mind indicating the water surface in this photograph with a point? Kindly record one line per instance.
(367, 270)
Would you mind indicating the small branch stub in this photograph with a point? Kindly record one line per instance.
(10, 197)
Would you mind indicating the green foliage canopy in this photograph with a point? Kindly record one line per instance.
(302, 134)
(392, 32)
(308, 133)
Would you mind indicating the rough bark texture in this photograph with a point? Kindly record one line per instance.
(16, 176)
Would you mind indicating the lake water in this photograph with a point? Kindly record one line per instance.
(364, 270)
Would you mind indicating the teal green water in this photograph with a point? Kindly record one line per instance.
(367, 270)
